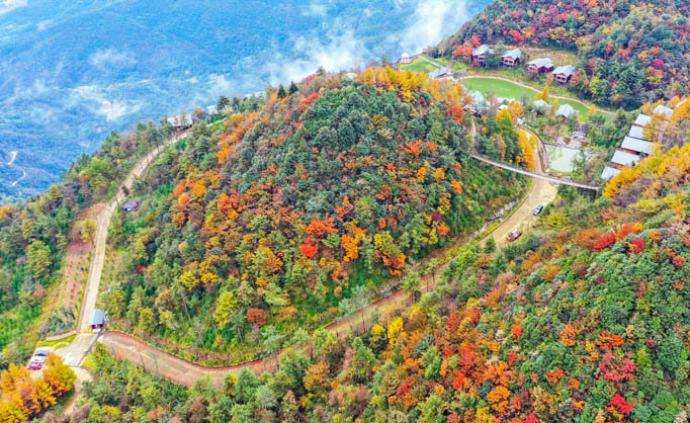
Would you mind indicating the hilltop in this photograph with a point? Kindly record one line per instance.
(296, 210)
(379, 246)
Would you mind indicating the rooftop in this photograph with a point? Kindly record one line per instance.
(635, 144)
(482, 49)
(541, 104)
(609, 172)
(564, 70)
(643, 120)
(543, 62)
(663, 110)
(625, 159)
(98, 317)
(637, 132)
(567, 111)
(515, 53)
(131, 205)
(439, 72)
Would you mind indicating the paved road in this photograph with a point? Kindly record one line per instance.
(543, 192)
(100, 240)
(74, 354)
(138, 352)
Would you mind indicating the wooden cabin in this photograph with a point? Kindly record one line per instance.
(512, 58)
(480, 55)
(563, 74)
(539, 66)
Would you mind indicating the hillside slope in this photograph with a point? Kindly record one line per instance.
(37, 238)
(584, 320)
(632, 51)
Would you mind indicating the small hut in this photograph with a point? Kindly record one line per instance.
(97, 321)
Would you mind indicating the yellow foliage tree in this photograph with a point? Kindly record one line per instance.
(529, 146)
(395, 331)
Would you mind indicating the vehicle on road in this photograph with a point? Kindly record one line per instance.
(538, 209)
(514, 235)
(41, 353)
(36, 363)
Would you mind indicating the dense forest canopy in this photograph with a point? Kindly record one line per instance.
(287, 211)
(583, 320)
(302, 208)
(630, 51)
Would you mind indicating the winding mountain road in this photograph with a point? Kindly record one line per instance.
(177, 370)
(127, 347)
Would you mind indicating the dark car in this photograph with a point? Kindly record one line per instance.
(538, 209)
(514, 235)
(41, 353)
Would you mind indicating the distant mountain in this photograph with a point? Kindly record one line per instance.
(75, 71)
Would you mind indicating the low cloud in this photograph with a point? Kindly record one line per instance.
(219, 85)
(316, 8)
(7, 6)
(97, 101)
(340, 50)
(112, 58)
(431, 22)
(43, 25)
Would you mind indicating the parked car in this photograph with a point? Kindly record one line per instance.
(41, 353)
(514, 235)
(538, 209)
(35, 365)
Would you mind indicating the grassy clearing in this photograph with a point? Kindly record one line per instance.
(419, 64)
(455, 65)
(507, 89)
(559, 57)
(58, 343)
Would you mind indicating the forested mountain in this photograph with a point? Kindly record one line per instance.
(331, 235)
(584, 320)
(301, 208)
(630, 51)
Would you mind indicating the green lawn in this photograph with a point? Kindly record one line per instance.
(418, 65)
(507, 89)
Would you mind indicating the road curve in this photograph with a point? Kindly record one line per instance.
(73, 354)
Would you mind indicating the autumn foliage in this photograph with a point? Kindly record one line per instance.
(23, 396)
